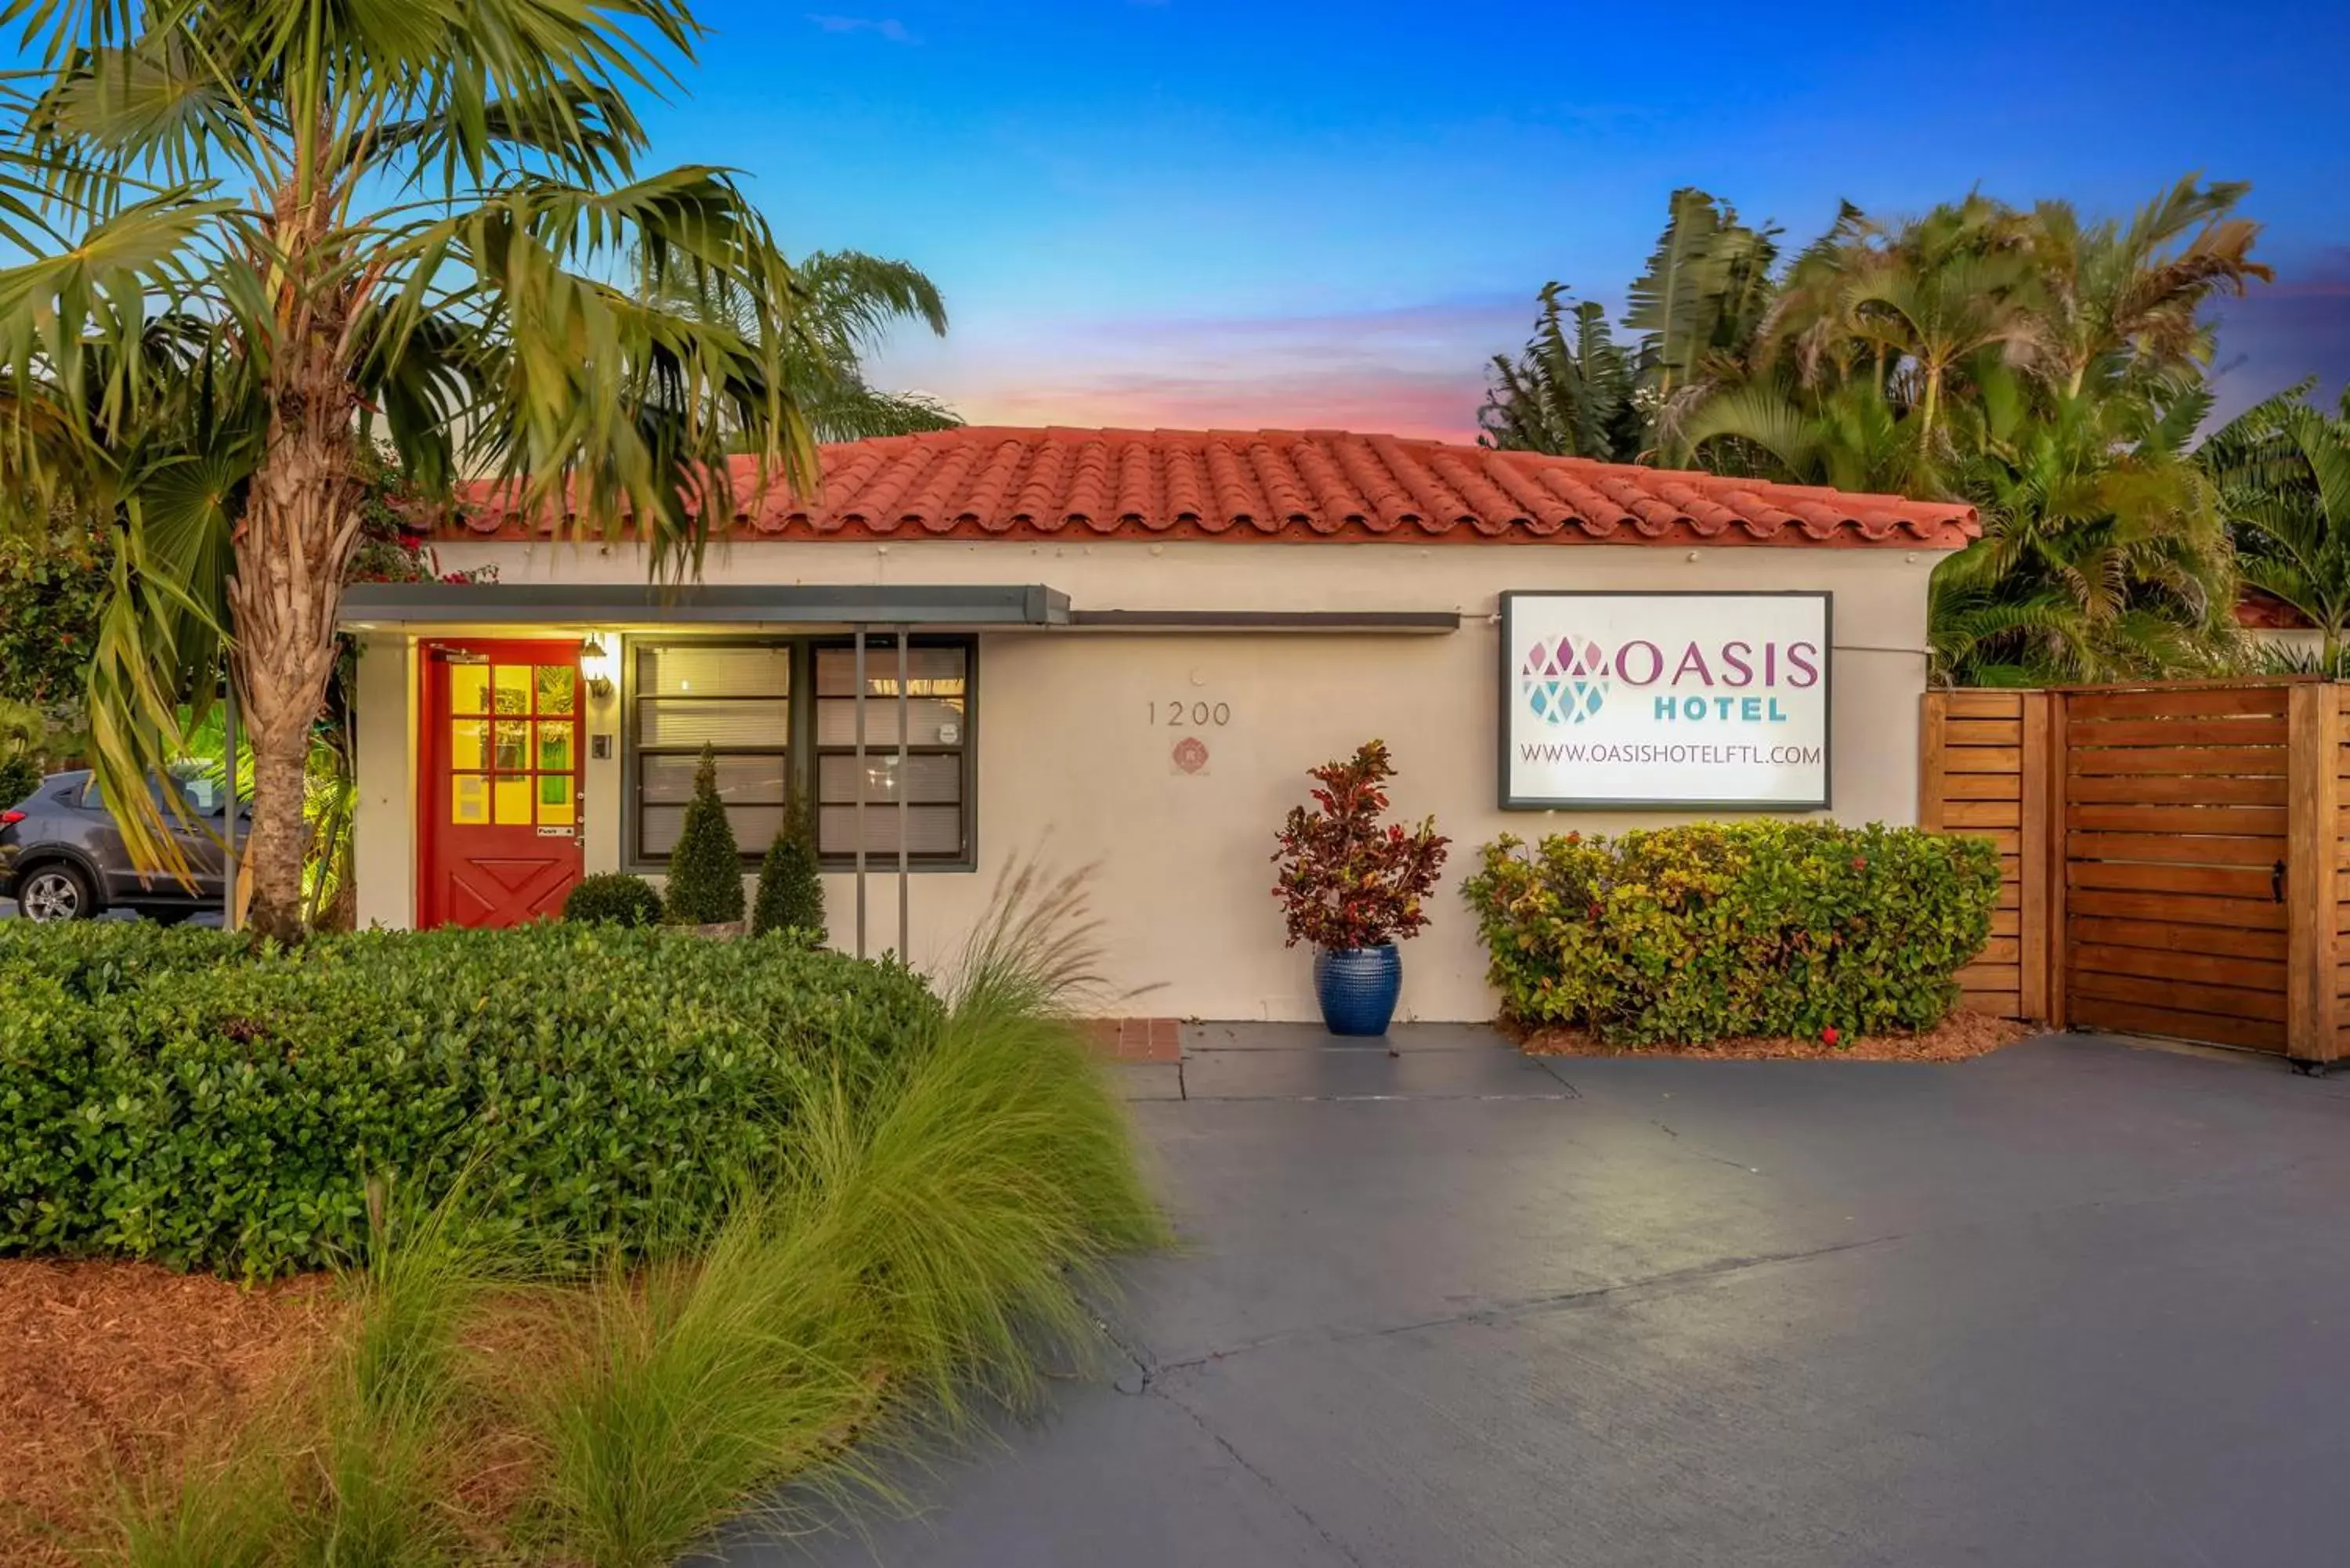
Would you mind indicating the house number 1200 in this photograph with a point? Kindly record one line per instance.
(1193, 715)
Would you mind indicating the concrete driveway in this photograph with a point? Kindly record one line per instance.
(2076, 1303)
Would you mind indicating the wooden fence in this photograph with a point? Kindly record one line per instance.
(2174, 857)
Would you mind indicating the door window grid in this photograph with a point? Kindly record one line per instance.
(513, 745)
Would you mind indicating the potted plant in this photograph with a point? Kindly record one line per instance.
(1354, 887)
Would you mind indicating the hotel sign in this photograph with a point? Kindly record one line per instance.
(1667, 700)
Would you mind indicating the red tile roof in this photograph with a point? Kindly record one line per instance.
(2261, 612)
(982, 483)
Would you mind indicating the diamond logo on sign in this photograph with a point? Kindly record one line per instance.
(1564, 680)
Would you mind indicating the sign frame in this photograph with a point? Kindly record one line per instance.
(1505, 707)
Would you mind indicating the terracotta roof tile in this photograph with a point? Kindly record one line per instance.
(985, 482)
(2264, 612)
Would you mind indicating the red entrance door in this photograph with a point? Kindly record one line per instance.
(501, 840)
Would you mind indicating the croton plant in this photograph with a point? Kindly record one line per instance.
(1348, 878)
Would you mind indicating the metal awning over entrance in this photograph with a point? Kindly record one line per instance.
(864, 610)
(782, 604)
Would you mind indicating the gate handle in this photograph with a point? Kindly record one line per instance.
(2276, 882)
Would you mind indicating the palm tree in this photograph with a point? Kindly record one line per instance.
(1575, 392)
(2282, 468)
(1910, 307)
(1851, 438)
(844, 304)
(2103, 542)
(2048, 371)
(1704, 293)
(2124, 304)
(1568, 393)
(261, 229)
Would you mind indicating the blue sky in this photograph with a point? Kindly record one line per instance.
(1189, 213)
(1202, 212)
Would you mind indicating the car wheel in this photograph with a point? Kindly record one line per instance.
(57, 893)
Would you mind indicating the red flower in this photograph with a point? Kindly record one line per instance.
(1861, 863)
(1829, 1036)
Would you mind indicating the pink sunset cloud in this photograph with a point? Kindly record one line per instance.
(1393, 402)
(1415, 371)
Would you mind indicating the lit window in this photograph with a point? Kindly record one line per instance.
(733, 697)
(928, 797)
(739, 697)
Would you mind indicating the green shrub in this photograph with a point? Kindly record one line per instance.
(614, 896)
(19, 776)
(933, 1238)
(1698, 932)
(705, 869)
(791, 891)
(166, 1094)
(941, 1236)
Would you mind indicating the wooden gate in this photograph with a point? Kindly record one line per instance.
(2174, 856)
(1987, 772)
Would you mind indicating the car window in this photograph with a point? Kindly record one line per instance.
(202, 792)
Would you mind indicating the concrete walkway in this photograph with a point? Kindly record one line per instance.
(2074, 1305)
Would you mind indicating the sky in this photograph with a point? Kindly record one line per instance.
(1298, 214)
(1207, 212)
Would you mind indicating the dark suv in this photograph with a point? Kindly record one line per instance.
(62, 856)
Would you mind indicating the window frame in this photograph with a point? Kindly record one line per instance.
(967, 752)
(802, 759)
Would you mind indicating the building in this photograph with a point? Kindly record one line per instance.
(2279, 632)
(1123, 649)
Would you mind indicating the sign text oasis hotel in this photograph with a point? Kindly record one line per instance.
(1702, 699)
(1121, 649)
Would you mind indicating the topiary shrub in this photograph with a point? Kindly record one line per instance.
(705, 869)
(171, 1094)
(614, 896)
(790, 890)
(1695, 933)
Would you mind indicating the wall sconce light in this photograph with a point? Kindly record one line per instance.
(596, 666)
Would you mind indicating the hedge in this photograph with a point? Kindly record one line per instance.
(1714, 929)
(613, 896)
(166, 1094)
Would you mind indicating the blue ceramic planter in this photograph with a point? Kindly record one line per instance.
(1357, 988)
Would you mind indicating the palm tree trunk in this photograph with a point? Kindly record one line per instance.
(292, 547)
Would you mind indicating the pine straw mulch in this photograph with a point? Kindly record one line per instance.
(112, 1370)
(115, 1374)
(1958, 1038)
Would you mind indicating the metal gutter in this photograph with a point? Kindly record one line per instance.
(785, 604)
(1423, 623)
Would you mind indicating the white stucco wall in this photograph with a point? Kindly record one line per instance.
(2306, 642)
(383, 837)
(1072, 768)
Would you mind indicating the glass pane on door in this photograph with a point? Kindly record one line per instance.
(556, 684)
(469, 688)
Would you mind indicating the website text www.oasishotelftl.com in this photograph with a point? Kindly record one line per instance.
(1687, 754)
